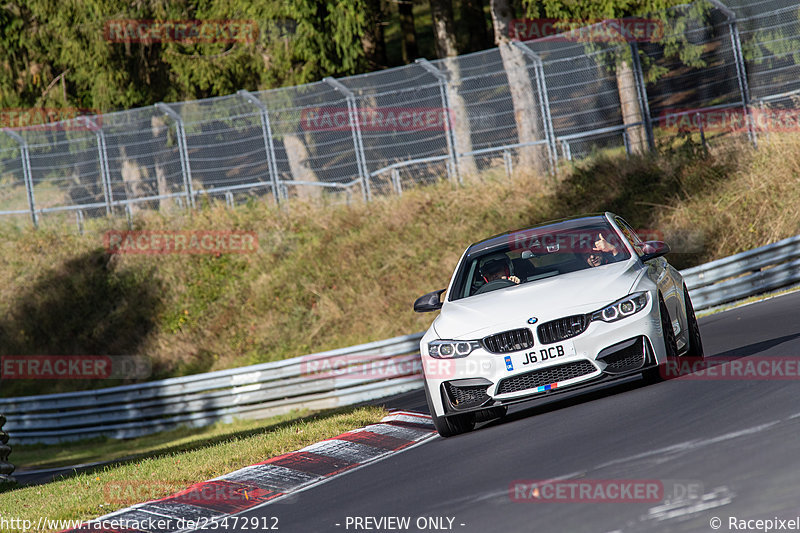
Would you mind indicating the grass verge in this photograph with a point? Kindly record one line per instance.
(184, 462)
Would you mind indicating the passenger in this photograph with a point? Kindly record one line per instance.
(602, 253)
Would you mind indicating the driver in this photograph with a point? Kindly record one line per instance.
(497, 269)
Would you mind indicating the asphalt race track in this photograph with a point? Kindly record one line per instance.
(717, 448)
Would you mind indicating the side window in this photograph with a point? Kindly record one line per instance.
(634, 239)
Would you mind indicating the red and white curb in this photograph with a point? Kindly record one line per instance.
(275, 478)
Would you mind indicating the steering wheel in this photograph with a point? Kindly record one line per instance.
(494, 285)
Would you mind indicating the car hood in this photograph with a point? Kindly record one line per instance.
(546, 299)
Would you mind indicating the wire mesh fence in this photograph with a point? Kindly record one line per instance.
(523, 106)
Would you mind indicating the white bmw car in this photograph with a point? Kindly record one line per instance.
(566, 304)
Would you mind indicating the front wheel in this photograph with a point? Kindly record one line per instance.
(658, 373)
(695, 342)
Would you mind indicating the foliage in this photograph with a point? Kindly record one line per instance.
(40, 40)
(675, 16)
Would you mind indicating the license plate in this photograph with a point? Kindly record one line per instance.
(544, 354)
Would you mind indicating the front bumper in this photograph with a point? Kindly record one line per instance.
(603, 352)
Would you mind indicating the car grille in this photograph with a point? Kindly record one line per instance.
(509, 341)
(563, 328)
(546, 376)
(467, 396)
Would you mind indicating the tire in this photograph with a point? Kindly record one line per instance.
(657, 374)
(449, 426)
(695, 342)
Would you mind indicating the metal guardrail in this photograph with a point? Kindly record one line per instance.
(745, 274)
(346, 376)
(6, 468)
(325, 380)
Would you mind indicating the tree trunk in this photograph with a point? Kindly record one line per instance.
(526, 112)
(134, 177)
(373, 40)
(301, 170)
(407, 30)
(159, 129)
(445, 39)
(631, 111)
(444, 33)
(474, 25)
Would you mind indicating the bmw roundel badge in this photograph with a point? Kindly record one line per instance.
(533, 320)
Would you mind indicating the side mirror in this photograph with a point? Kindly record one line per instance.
(653, 249)
(428, 302)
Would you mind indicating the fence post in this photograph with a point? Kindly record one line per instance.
(27, 178)
(183, 151)
(641, 92)
(544, 103)
(6, 468)
(266, 130)
(102, 154)
(355, 129)
(450, 134)
(741, 66)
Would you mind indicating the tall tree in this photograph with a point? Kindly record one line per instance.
(446, 48)
(373, 39)
(675, 43)
(296, 42)
(473, 25)
(526, 113)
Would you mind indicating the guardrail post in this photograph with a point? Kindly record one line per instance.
(544, 103)
(641, 92)
(266, 130)
(183, 151)
(102, 155)
(508, 163)
(396, 181)
(27, 177)
(355, 129)
(450, 134)
(6, 468)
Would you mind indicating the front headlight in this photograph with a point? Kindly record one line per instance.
(630, 305)
(443, 349)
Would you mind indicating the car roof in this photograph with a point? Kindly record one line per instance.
(560, 224)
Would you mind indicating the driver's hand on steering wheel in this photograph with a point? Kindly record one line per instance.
(515, 279)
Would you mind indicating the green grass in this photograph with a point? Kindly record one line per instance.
(173, 465)
(39, 456)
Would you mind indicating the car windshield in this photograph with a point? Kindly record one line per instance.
(534, 254)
